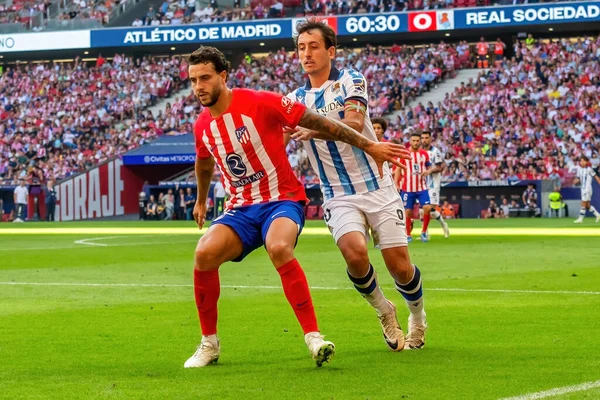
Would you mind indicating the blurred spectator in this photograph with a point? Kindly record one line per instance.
(180, 205)
(50, 201)
(530, 194)
(493, 210)
(447, 210)
(169, 203)
(190, 201)
(505, 208)
(142, 205)
(21, 195)
(152, 209)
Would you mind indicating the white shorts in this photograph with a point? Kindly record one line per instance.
(434, 196)
(586, 195)
(380, 211)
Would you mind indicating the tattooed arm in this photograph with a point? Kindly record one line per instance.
(329, 129)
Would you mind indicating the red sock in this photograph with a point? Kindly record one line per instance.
(426, 218)
(409, 225)
(207, 289)
(295, 287)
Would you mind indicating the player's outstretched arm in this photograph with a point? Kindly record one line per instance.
(203, 168)
(332, 130)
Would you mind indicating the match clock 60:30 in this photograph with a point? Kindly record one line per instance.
(373, 24)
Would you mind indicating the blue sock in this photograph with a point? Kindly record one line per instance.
(413, 295)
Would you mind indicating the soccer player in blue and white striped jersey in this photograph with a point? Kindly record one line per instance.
(357, 199)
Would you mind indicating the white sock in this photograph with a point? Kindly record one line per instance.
(438, 216)
(582, 213)
(594, 211)
(368, 288)
(211, 338)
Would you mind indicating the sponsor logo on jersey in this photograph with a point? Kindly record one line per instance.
(334, 105)
(287, 104)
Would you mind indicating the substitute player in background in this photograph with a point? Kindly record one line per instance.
(585, 176)
(413, 186)
(434, 180)
(241, 130)
(356, 199)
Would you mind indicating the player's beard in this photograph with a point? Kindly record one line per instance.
(213, 97)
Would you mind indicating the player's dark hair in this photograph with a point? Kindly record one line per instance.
(415, 133)
(210, 55)
(426, 133)
(380, 121)
(312, 23)
(584, 158)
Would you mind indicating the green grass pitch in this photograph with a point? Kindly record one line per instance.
(106, 311)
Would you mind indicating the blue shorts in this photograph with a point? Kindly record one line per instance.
(251, 223)
(409, 199)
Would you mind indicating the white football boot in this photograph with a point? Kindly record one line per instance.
(321, 350)
(416, 335)
(207, 353)
(392, 332)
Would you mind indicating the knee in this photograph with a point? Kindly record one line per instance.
(205, 259)
(400, 266)
(280, 251)
(357, 259)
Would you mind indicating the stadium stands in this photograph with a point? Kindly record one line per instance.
(530, 118)
(60, 119)
(110, 121)
(23, 15)
(527, 119)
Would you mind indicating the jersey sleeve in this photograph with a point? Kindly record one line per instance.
(201, 150)
(355, 87)
(437, 158)
(427, 161)
(283, 109)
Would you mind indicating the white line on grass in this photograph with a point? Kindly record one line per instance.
(268, 287)
(78, 244)
(90, 242)
(557, 391)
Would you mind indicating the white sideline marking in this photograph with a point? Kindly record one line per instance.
(557, 391)
(268, 287)
(89, 241)
(77, 244)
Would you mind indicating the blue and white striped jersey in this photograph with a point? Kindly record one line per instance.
(343, 169)
(586, 177)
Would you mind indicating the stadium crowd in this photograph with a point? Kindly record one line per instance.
(176, 12)
(78, 115)
(35, 14)
(60, 119)
(530, 117)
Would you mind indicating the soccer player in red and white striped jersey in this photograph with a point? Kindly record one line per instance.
(242, 131)
(413, 185)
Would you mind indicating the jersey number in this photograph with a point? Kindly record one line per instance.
(400, 214)
(326, 215)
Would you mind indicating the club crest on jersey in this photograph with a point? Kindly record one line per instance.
(242, 134)
(336, 87)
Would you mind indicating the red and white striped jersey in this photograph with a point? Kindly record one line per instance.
(413, 180)
(247, 144)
